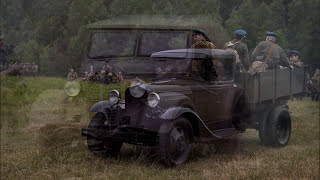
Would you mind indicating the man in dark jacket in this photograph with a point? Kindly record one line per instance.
(277, 55)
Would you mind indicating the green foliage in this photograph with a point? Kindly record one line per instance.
(28, 51)
(54, 34)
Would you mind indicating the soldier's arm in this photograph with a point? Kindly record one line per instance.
(246, 57)
(256, 52)
(284, 61)
(212, 46)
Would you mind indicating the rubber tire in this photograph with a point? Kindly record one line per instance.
(164, 143)
(98, 147)
(268, 129)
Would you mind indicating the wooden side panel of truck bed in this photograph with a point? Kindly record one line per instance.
(272, 85)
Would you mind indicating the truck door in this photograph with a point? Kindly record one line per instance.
(218, 95)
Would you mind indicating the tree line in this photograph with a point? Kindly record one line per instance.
(52, 33)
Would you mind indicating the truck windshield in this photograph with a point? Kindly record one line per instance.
(112, 43)
(159, 41)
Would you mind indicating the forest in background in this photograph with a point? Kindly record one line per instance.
(53, 33)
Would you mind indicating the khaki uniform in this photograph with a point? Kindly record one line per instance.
(296, 63)
(278, 57)
(239, 65)
(243, 52)
(196, 65)
(203, 45)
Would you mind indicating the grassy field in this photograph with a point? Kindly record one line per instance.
(40, 139)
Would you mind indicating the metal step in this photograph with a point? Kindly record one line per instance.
(223, 133)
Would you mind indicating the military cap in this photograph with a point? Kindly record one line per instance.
(196, 31)
(271, 34)
(294, 52)
(240, 32)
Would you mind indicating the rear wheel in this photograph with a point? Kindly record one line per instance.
(99, 147)
(276, 130)
(175, 145)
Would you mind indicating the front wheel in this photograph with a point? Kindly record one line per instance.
(175, 145)
(276, 130)
(100, 147)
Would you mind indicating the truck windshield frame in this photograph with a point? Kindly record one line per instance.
(112, 43)
(155, 40)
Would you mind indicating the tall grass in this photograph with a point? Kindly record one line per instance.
(40, 139)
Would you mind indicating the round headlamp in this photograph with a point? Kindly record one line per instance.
(114, 96)
(137, 91)
(153, 99)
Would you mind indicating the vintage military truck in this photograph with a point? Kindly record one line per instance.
(191, 95)
(183, 104)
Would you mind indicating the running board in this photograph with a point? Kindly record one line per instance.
(224, 133)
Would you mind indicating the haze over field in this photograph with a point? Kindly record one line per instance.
(40, 139)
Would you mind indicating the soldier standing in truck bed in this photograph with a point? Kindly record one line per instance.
(295, 58)
(277, 55)
(241, 48)
(229, 46)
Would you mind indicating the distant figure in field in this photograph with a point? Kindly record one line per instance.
(72, 76)
(34, 69)
(315, 86)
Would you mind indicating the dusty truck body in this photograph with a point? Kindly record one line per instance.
(129, 44)
(194, 96)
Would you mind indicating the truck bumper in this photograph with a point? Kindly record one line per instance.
(131, 135)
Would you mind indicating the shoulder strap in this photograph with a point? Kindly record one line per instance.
(269, 54)
(236, 42)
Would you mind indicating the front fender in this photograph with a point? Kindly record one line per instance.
(173, 113)
(101, 106)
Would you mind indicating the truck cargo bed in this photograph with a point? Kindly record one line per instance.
(272, 85)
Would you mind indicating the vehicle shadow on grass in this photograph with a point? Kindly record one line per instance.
(51, 139)
(147, 156)
(228, 147)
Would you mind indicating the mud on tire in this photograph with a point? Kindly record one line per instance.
(276, 129)
(175, 145)
(99, 147)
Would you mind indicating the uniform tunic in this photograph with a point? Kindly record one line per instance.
(277, 56)
(242, 50)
